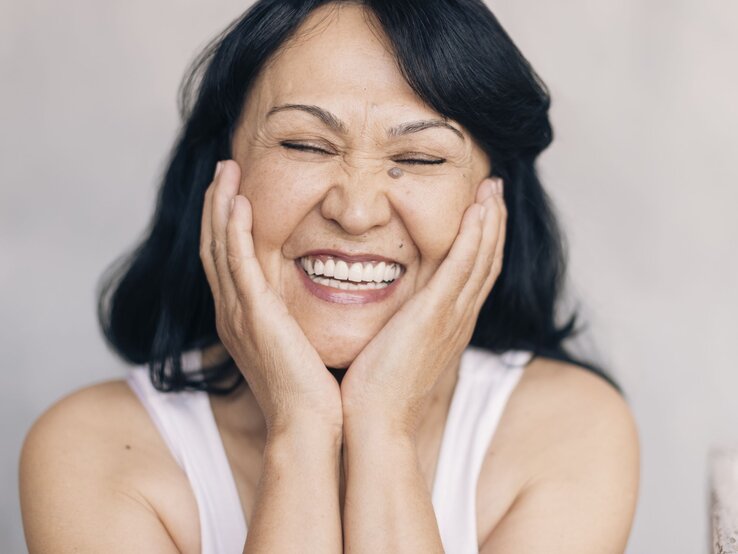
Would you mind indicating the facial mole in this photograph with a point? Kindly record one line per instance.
(395, 173)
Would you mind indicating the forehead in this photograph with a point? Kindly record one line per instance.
(337, 55)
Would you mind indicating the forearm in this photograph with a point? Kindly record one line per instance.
(388, 506)
(297, 499)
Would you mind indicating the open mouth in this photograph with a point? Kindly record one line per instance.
(339, 274)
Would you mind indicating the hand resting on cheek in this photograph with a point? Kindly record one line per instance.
(284, 371)
(388, 382)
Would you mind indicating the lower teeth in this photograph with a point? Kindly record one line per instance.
(344, 285)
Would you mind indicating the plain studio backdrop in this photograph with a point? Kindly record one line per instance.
(642, 171)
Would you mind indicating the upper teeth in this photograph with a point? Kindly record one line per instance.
(356, 272)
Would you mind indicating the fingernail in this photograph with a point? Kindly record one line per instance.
(233, 203)
(482, 212)
(217, 169)
(500, 187)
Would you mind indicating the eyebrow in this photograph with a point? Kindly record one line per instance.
(332, 122)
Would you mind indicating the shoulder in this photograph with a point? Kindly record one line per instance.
(95, 419)
(573, 394)
(574, 408)
(579, 440)
(101, 419)
(92, 459)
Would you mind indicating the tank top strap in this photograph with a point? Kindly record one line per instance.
(186, 423)
(484, 385)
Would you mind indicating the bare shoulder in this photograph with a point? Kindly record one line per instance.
(579, 441)
(566, 400)
(93, 468)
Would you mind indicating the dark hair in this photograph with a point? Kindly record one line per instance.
(155, 302)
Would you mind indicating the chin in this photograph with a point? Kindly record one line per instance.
(339, 351)
(338, 358)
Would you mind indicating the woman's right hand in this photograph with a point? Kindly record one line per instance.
(282, 368)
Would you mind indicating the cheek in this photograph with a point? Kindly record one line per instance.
(432, 216)
(279, 198)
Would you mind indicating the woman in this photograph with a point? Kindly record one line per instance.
(331, 353)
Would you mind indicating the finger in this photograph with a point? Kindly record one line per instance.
(225, 188)
(206, 255)
(449, 278)
(246, 273)
(487, 247)
(497, 260)
(486, 188)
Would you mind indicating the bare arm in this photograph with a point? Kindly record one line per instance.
(75, 491)
(388, 506)
(297, 499)
(582, 496)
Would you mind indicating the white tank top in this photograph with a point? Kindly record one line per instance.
(185, 421)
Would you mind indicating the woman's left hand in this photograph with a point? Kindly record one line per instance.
(388, 382)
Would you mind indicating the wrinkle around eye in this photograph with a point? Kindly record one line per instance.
(412, 156)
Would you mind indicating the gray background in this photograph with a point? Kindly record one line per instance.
(642, 172)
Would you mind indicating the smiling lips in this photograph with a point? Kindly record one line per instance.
(336, 273)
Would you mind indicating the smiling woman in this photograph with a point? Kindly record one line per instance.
(342, 318)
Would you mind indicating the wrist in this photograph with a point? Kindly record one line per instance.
(304, 434)
(306, 425)
(371, 430)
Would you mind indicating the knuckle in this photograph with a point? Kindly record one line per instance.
(234, 261)
(215, 250)
(227, 319)
(222, 328)
(234, 315)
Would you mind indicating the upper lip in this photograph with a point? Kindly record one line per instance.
(354, 257)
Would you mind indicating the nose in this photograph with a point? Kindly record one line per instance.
(358, 202)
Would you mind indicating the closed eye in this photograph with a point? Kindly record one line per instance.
(304, 147)
(413, 161)
(410, 161)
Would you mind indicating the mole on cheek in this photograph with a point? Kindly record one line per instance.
(395, 173)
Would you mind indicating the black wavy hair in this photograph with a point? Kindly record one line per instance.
(154, 303)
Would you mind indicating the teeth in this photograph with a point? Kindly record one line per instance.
(357, 272)
(341, 271)
(378, 276)
(367, 274)
(330, 268)
(318, 267)
(345, 285)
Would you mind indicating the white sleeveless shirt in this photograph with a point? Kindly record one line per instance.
(186, 422)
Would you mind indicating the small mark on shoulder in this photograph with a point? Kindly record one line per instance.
(128, 447)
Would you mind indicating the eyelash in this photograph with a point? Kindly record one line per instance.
(410, 161)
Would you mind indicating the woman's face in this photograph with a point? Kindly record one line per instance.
(341, 198)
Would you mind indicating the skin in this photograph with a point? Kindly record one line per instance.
(346, 200)
(367, 449)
